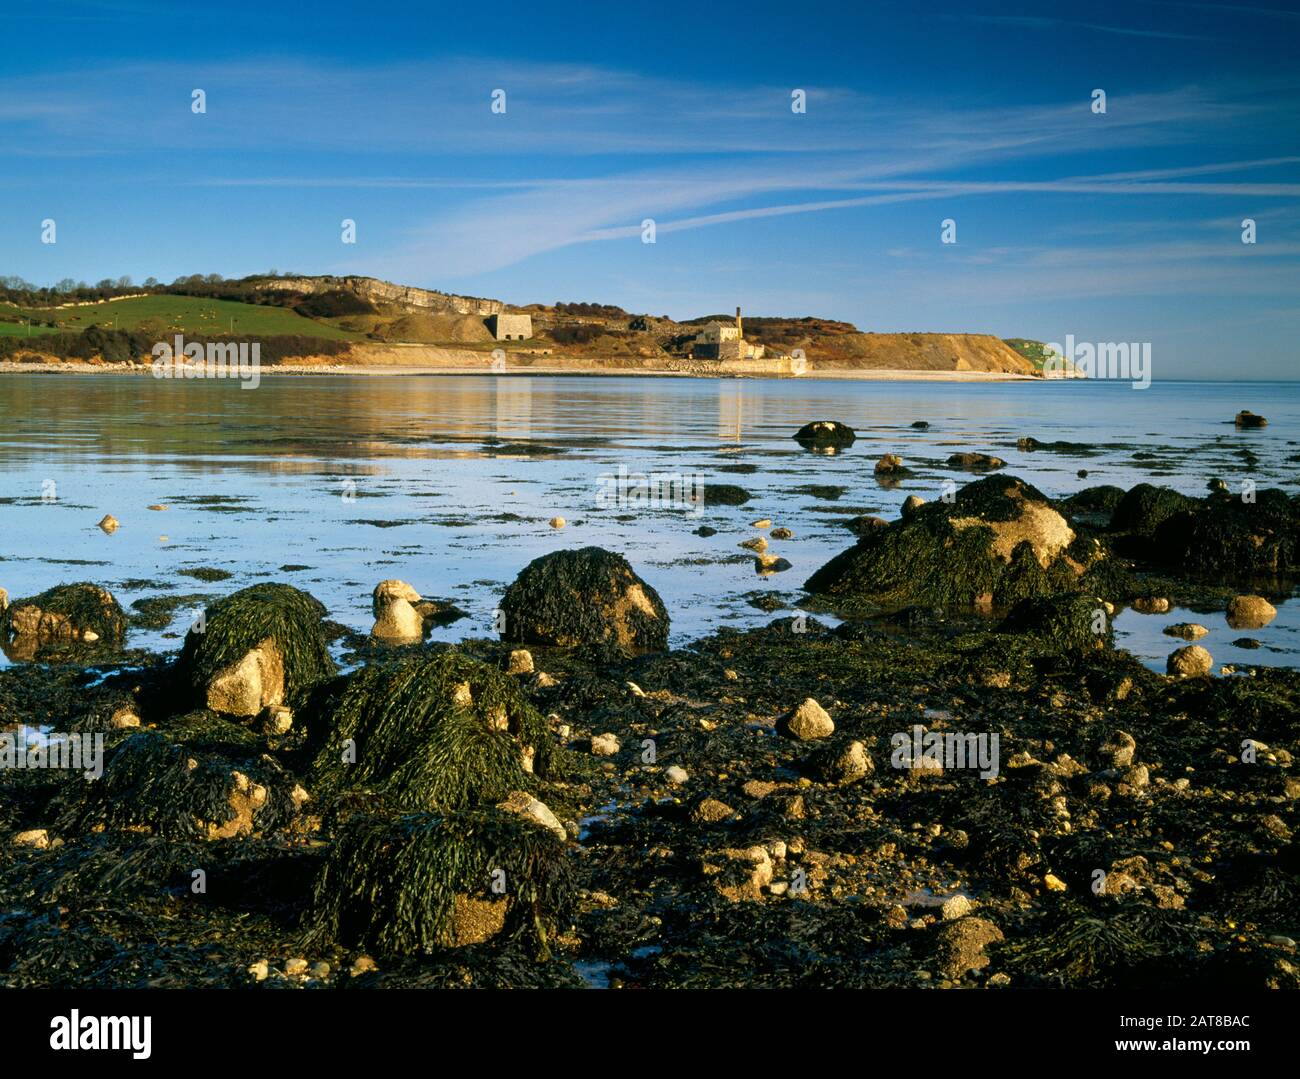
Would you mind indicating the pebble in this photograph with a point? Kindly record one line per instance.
(1188, 631)
(1118, 750)
(712, 811)
(676, 775)
(557, 522)
(762, 523)
(124, 719)
(955, 906)
(604, 745)
(520, 662)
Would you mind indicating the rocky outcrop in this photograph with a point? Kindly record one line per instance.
(385, 293)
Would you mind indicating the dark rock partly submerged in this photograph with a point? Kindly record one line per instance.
(825, 434)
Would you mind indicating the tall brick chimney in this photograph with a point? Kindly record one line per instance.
(740, 330)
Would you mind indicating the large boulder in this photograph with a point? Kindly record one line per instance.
(1068, 622)
(68, 614)
(1224, 535)
(1145, 507)
(585, 596)
(437, 732)
(418, 883)
(154, 784)
(998, 541)
(258, 647)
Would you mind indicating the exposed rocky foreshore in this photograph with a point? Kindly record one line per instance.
(963, 783)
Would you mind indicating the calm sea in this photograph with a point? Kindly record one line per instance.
(449, 482)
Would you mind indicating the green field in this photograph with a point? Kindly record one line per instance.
(175, 314)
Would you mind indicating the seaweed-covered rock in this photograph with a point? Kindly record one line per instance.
(585, 596)
(723, 494)
(825, 435)
(423, 882)
(1221, 535)
(1246, 418)
(739, 874)
(151, 783)
(976, 462)
(1098, 502)
(998, 541)
(63, 615)
(1068, 622)
(258, 647)
(1145, 507)
(436, 732)
(865, 524)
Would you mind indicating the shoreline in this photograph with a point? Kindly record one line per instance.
(549, 370)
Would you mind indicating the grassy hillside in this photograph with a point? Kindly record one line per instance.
(174, 314)
(1034, 351)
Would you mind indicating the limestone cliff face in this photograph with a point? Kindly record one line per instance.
(917, 352)
(382, 293)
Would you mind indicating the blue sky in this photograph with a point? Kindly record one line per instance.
(1117, 227)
